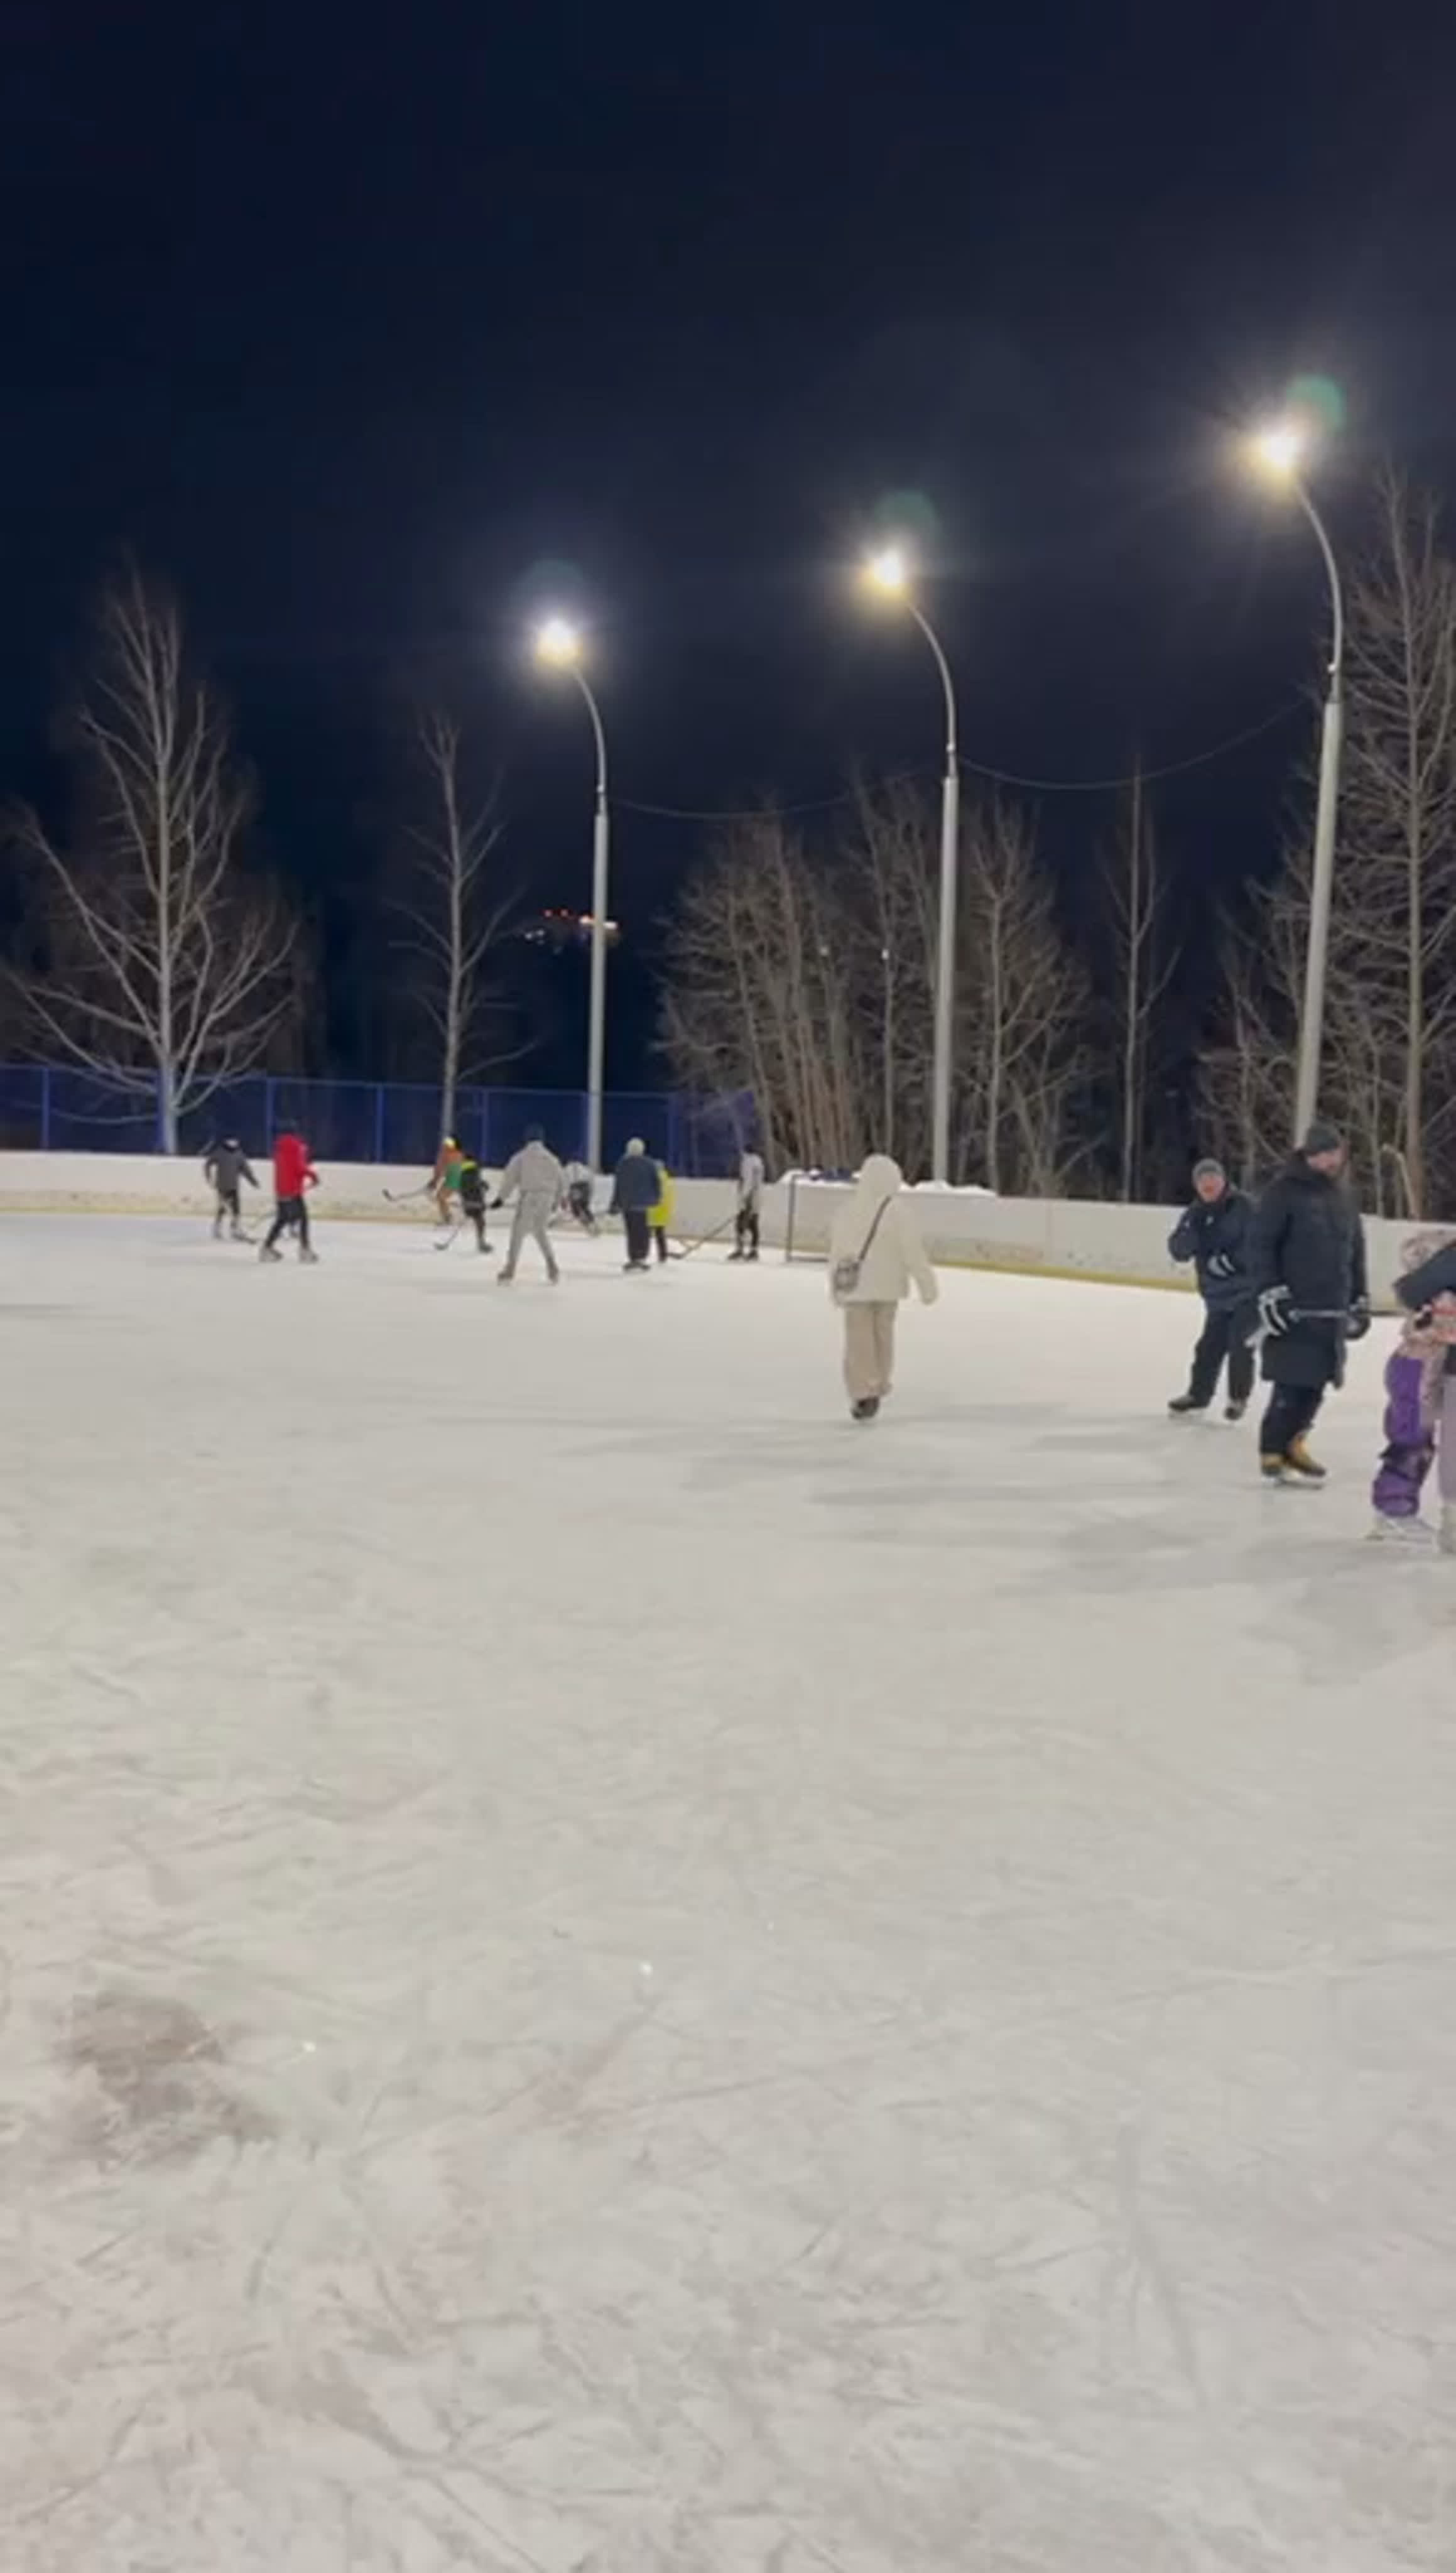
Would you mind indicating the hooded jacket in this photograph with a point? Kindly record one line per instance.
(1307, 1236)
(636, 1184)
(1432, 1275)
(896, 1257)
(293, 1167)
(226, 1166)
(534, 1175)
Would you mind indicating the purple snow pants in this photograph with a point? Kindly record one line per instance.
(1411, 1438)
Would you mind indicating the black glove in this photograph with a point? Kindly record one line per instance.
(1274, 1314)
(497, 1204)
(1357, 1320)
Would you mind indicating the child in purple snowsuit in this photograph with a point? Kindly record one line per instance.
(1420, 1393)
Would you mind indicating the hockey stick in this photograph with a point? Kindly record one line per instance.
(407, 1197)
(1296, 1315)
(716, 1236)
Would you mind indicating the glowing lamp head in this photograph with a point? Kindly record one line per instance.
(558, 643)
(1280, 449)
(888, 572)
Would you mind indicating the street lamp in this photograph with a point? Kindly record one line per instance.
(888, 573)
(1280, 452)
(558, 646)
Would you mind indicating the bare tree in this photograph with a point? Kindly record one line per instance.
(1141, 970)
(1398, 811)
(1389, 1037)
(162, 967)
(452, 912)
(1022, 1010)
(892, 885)
(761, 993)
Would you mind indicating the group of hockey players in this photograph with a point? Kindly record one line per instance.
(1283, 1283)
(1286, 1277)
(534, 1184)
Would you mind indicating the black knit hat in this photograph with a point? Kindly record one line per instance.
(1322, 1137)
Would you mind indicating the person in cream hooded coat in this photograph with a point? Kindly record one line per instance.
(880, 1231)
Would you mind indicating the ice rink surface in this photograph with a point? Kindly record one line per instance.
(607, 1973)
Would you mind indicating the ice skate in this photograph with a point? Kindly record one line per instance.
(308, 1256)
(1182, 1404)
(1273, 1470)
(1408, 1532)
(866, 1408)
(1235, 1411)
(1304, 1467)
(268, 1253)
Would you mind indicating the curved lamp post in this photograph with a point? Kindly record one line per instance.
(558, 646)
(888, 575)
(1280, 452)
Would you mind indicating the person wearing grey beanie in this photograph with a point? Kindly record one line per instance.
(1213, 1234)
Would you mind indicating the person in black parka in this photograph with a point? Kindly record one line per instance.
(1308, 1274)
(1214, 1235)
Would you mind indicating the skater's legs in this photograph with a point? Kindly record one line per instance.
(1291, 1413)
(1446, 1442)
(635, 1222)
(1209, 1352)
(659, 1236)
(1241, 1353)
(302, 1218)
(1410, 1441)
(869, 1352)
(282, 1219)
(518, 1237)
(537, 1229)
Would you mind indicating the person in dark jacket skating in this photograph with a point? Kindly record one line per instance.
(224, 1169)
(636, 1187)
(1308, 1278)
(1214, 1235)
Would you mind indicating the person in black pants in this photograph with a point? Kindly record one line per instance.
(1214, 1235)
(636, 1187)
(1307, 1272)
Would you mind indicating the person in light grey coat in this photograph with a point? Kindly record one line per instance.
(535, 1179)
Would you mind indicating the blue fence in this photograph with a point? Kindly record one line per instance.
(47, 1107)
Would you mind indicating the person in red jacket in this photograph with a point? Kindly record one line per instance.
(292, 1177)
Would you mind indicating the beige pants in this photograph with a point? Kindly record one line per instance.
(869, 1351)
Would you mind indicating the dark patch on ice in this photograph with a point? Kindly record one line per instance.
(160, 2072)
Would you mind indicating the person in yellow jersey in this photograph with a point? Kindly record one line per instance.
(659, 1215)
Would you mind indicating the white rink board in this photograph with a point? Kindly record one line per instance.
(607, 1973)
(1060, 1236)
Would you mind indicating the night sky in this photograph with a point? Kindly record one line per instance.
(352, 321)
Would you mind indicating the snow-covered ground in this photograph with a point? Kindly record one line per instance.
(607, 1973)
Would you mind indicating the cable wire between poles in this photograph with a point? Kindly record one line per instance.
(972, 768)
